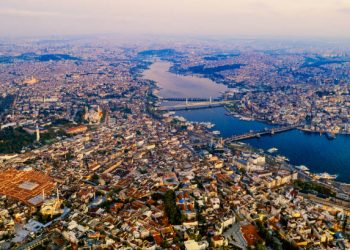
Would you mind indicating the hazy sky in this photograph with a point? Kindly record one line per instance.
(254, 18)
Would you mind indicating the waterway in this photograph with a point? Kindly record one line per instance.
(173, 85)
(312, 150)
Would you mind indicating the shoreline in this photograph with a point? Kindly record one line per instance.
(156, 87)
(231, 113)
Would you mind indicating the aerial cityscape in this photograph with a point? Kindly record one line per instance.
(190, 125)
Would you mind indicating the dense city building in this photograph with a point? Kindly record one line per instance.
(89, 160)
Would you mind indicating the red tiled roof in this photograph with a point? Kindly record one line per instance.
(250, 233)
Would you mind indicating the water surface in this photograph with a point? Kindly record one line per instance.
(172, 85)
(315, 151)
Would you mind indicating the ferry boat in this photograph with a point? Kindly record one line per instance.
(272, 150)
(302, 168)
(207, 124)
(210, 125)
(243, 118)
(216, 132)
(281, 158)
(326, 176)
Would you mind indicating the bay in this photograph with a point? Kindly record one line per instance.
(312, 150)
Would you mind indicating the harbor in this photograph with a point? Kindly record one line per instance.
(313, 150)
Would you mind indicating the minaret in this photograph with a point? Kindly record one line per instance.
(107, 119)
(56, 204)
(37, 133)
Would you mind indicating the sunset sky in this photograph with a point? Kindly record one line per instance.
(252, 18)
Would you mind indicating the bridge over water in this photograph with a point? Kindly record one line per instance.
(193, 105)
(190, 99)
(257, 134)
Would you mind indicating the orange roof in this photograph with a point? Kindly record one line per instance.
(11, 184)
(157, 238)
(150, 202)
(76, 129)
(250, 233)
(218, 238)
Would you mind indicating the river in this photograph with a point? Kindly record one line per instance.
(172, 85)
(312, 150)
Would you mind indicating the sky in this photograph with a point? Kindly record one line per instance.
(232, 18)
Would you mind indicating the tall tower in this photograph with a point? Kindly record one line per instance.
(57, 195)
(37, 133)
(107, 118)
(56, 204)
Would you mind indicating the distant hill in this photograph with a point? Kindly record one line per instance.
(160, 53)
(36, 57)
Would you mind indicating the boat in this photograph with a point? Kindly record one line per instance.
(281, 158)
(302, 168)
(272, 150)
(216, 132)
(207, 124)
(330, 136)
(210, 125)
(243, 118)
(326, 176)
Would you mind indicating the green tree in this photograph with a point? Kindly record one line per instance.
(171, 209)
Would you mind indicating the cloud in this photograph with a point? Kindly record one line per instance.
(197, 17)
(27, 13)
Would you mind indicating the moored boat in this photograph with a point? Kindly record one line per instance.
(330, 136)
(272, 150)
(326, 176)
(302, 168)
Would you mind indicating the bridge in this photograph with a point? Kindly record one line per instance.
(190, 99)
(258, 134)
(193, 105)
